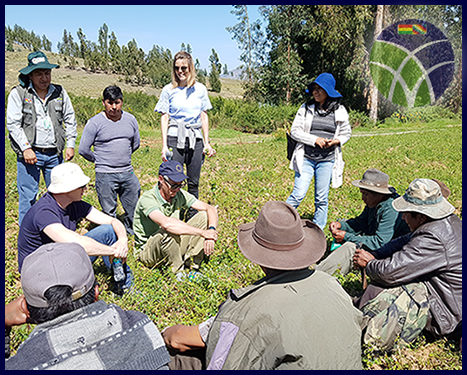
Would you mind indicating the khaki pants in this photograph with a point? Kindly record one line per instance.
(176, 251)
(340, 259)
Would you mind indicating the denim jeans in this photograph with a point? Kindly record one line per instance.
(105, 234)
(322, 171)
(126, 186)
(28, 176)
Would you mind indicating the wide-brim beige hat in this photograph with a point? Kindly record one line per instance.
(424, 196)
(375, 180)
(279, 239)
(67, 177)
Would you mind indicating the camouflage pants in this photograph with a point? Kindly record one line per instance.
(396, 316)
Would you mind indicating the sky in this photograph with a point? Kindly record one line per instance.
(168, 26)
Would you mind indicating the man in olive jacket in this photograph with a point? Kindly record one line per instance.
(428, 266)
(294, 318)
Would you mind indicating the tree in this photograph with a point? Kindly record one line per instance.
(188, 49)
(114, 54)
(214, 80)
(373, 92)
(249, 39)
(103, 36)
(226, 71)
(182, 47)
(84, 45)
(46, 44)
(201, 73)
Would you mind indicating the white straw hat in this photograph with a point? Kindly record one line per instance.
(67, 177)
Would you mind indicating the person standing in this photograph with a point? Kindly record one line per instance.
(184, 123)
(114, 134)
(320, 128)
(37, 111)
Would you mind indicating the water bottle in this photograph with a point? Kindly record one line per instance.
(119, 273)
(169, 153)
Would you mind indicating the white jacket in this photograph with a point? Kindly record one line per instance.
(300, 131)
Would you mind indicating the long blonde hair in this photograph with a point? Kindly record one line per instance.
(182, 55)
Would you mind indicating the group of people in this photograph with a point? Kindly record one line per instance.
(296, 317)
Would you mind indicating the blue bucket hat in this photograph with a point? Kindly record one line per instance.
(328, 83)
(37, 60)
(173, 170)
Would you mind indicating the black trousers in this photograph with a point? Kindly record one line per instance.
(193, 160)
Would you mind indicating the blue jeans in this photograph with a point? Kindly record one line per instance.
(126, 186)
(322, 171)
(105, 234)
(28, 176)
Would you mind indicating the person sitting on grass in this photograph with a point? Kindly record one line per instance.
(76, 331)
(378, 224)
(161, 237)
(417, 282)
(55, 216)
(294, 318)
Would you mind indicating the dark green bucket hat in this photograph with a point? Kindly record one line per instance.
(37, 60)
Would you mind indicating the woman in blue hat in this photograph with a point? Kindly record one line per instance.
(321, 126)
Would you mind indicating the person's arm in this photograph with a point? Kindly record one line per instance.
(213, 218)
(385, 222)
(183, 338)
(179, 227)
(59, 233)
(345, 130)
(422, 255)
(392, 246)
(205, 128)
(71, 131)
(136, 137)
(121, 246)
(164, 130)
(298, 128)
(16, 313)
(87, 141)
(14, 120)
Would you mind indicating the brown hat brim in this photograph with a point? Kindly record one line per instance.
(309, 252)
(382, 190)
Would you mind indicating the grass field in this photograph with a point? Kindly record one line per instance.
(247, 171)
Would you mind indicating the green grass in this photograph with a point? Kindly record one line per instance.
(247, 171)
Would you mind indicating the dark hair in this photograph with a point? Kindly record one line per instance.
(329, 105)
(60, 302)
(112, 93)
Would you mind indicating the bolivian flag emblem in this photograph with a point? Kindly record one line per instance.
(413, 29)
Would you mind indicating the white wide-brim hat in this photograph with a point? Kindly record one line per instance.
(66, 177)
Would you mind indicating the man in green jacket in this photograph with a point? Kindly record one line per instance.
(294, 318)
(378, 224)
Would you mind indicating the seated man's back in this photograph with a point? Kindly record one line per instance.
(295, 320)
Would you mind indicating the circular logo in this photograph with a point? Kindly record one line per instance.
(412, 63)
(178, 167)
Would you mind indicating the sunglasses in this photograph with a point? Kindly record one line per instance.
(182, 68)
(174, 186)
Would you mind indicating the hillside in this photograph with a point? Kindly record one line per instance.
(78, 81)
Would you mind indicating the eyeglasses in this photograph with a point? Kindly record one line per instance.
(182, 68)
(174, 186)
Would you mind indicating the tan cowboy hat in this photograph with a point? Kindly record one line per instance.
(424, 196)
(375, 180)
(279, 239)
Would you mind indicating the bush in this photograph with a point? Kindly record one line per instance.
(423, 114)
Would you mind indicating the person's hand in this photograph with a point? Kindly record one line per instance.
(321, 142)
(209, 247)
(69, 153)
(362, 257)
(182, 338)
(16, 312)
(332, 142)
(338, 235)
(164, 151)
(334, 226)
(208, 150)
(210, 234)
(29, 156)
(121, 249)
